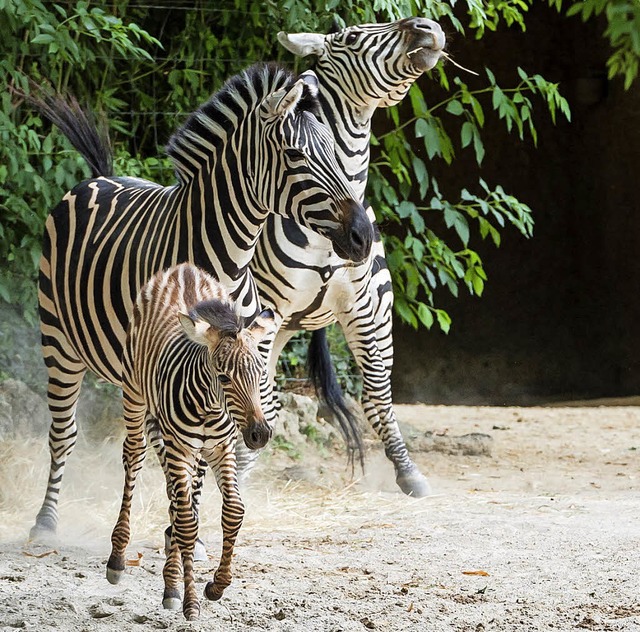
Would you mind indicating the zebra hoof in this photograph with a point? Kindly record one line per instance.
(113, 575)
(192, 612)
(199, 550)
(213, 592)
(44, 531)
(38, 535)
(172, 603)
(414, 484)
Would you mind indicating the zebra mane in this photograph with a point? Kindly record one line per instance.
(220, 315)
(210, 126)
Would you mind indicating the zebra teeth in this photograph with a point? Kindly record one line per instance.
(414, 51)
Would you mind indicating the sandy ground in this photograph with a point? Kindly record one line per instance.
(544, 534)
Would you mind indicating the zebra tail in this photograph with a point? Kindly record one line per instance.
(325, 382)
(79, 126)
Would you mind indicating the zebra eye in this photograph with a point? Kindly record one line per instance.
(224, 379)
(294, 154)
(352, 38)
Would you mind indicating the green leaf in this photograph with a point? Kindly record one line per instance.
(455, 107)
(466, 134)
(444, 320)
(43, 38)
(425, 315)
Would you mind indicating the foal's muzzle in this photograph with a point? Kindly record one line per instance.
(256, 434)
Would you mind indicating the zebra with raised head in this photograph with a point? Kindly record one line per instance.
(255, 147)
(359, 69)
(191, 365)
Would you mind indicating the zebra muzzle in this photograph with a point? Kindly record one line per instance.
(353, 241)
(256, 434)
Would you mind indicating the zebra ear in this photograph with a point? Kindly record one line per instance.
(198, 330)
(302, 44)
(311, 81)
(284, 102)
(263, 325)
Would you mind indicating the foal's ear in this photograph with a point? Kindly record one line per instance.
(263, 325)
(198, 330)
(302, 44)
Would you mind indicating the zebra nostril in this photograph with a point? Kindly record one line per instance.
(257, 435)
(356, 239)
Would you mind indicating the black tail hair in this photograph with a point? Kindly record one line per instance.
(323, 377)
(78, 125)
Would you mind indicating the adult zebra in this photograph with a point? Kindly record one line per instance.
(191, 365)
(359, 69)
(254, 147)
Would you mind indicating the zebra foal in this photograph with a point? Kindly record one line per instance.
(193, 368)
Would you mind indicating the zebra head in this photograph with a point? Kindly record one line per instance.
(301, 177)
(374, 65)
(236, 363)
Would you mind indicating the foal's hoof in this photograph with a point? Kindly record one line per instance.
(212, 591)
(172, 603)
(114, 575)
(192, 612)
(414, 483)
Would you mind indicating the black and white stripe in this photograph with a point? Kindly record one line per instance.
(359, 69)
(193, 370)
(255, 148)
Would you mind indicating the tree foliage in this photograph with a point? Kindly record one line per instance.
(148, 68)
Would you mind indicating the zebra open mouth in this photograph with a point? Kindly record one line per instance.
(426, 56)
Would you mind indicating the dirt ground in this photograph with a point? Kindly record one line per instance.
(543, 534)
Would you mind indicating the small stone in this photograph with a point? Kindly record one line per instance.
(280, 615)
(98, 611)
(367, 623)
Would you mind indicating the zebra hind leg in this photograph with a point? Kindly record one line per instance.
(65, 380)
(382, 418)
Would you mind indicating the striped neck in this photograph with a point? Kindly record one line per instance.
(351, 127)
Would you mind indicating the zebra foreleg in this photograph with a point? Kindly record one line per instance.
(134, 450)
(65, 379)
(223, 463)
(154, 436)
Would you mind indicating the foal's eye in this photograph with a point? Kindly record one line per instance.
(224, 379)
(351, 38)
(294, 154)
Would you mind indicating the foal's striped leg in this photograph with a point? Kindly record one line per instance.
(182, 466)
(154, 436)
(134, 450)
(223, 463)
